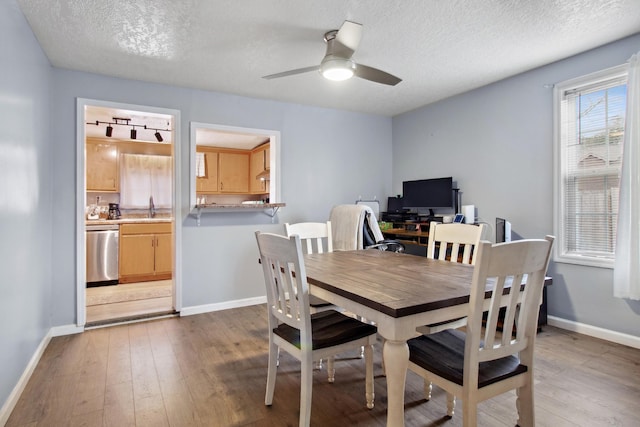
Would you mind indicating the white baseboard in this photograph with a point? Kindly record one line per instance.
(199, 309)
(58, 331)
(594, 331)
(13, 398)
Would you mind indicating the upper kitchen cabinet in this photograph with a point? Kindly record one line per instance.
(232, 166)
(233, 172)
(102, 166)
(222, 171)
(207, 171)
(259, 170)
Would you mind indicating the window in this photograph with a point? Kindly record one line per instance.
(589, 114)
(144, 176)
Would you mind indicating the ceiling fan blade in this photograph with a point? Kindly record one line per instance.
(292, 72)
(375, 75)
(349, 35)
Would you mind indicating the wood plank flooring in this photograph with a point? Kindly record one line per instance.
(116, 303)
(210, 370)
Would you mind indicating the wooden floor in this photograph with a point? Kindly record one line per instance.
(116, 303)
(210, 370)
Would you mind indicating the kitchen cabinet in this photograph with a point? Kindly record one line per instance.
(259, 160)
(233, 172)
(102, 166)
(209, 183)
(145, 252)
(226, 172)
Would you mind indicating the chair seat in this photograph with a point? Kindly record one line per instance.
(443, 354)
(329, 328)
(316, 302)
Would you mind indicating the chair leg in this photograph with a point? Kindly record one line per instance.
(272, 369)
(451, 404)
(331, 370)
(318, 365)
(469, 413)
(428, 388)
(368, 362)
(306, 383)
(525, 405)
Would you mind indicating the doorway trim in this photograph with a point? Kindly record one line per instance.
(81, 192)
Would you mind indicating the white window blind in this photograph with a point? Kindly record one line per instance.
(143, 176)
(590, 115)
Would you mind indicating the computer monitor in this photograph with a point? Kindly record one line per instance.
(503, 230)
(428, 193)
(394, 205)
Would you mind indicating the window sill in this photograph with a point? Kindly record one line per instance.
(584, 261)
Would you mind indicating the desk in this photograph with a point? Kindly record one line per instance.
(399, 292)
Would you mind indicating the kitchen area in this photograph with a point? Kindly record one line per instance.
(128, 215)
(129, 206)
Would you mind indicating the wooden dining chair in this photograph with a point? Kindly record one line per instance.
(293, 328)
(455, 243)
(315, 238)
(483, 362)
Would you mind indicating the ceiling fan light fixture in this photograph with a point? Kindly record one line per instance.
(337, 69)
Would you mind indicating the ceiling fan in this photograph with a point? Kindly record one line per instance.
(337, 63)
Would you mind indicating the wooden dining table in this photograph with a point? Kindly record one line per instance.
(396, 291)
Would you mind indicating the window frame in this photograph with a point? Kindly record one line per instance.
(559, 226)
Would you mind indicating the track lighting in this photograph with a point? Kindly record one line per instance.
(118, 121)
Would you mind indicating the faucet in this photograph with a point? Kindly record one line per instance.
(152, 208)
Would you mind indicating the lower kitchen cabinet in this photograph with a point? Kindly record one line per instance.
(145, 252)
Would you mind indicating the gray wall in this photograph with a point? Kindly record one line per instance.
(25, 196)
(497, 142)
(328, 157)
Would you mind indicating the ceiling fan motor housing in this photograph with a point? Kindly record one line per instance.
(336, 68)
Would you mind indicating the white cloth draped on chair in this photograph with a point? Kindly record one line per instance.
(626, 273)
(347, 222)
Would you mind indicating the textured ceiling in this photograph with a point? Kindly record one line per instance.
(439, 48)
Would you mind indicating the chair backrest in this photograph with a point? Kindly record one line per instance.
(348, 225)
(287, 293)
(312, 234)
(497, 268)
(454, 240)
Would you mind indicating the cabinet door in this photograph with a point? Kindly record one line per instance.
(102, 167)
(233, 173)
(209, 183)
(163, 254)
(137, 254)
(257, 185)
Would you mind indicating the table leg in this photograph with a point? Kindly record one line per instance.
(396, 360)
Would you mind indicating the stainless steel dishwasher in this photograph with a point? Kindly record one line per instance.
(102, 254)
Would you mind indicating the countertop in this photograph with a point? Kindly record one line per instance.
(142, 220)
(249, 206)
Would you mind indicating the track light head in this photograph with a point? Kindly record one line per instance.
(134, 133)
(158, 136)
(109, 130)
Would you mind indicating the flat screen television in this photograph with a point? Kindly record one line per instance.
(435, 193)
(503, 230)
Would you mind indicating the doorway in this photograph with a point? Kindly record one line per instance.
(110, 193)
